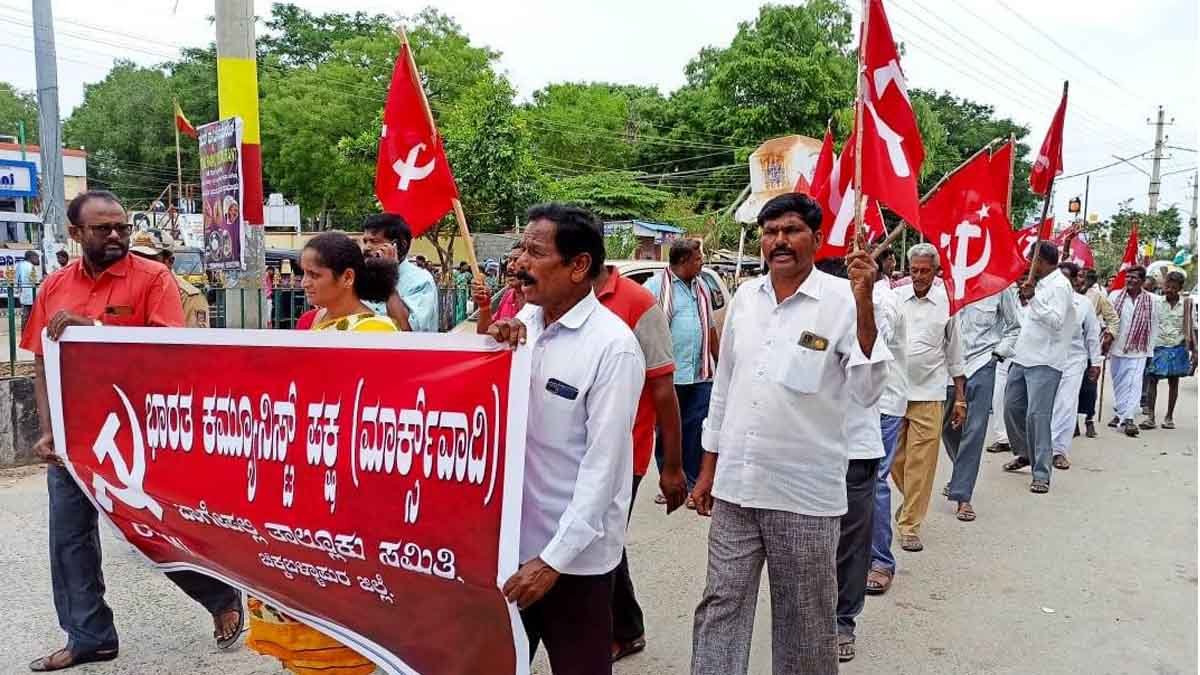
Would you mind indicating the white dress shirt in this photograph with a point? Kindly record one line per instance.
(934, 345)
(1125, 312)
(1085, 339)
(777, 414)
(894, 399)
(864, 437)
(988, 326)
(1048, 324)
(587, 377)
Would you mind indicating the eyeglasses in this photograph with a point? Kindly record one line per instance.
(106, 229)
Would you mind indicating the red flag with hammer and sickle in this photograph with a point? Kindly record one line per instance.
(412, 176)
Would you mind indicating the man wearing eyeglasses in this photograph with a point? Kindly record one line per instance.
(104, 287)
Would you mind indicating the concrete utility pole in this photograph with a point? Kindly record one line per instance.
(54, 210)
(237, 96)
(1192, 220)
(1159, 140)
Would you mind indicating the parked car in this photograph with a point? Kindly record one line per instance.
(640, 271)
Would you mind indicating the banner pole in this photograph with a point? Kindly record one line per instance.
(858, 128)
(459, 215)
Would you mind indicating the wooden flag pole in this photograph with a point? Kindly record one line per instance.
(1012, 175)
(178, 160)
(857, 242)
(463, 230)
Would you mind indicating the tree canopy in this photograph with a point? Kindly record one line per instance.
(626, 151)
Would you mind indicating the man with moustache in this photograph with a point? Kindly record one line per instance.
(104, 287)
(587, 376)
(798, 344)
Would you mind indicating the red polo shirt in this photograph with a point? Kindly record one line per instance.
(131, 292)
(638, 309)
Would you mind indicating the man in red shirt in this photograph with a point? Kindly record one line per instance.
(638, 309)
(104, 287)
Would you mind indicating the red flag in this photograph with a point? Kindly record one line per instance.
(1049, 161)
(824, 167)
(892, 151)
(412, 176)
(836, 198)
(1001, 165)
(1130, 259)
(965, 221)
(182, 123)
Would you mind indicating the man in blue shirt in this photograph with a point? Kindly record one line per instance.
(688, 307)
(415, 301)
(26, 279)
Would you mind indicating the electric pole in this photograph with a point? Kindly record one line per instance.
(237, 96)
(54, 210)
(1159, 140)
(1192, 220)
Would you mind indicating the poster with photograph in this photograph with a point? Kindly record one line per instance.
(221, 192)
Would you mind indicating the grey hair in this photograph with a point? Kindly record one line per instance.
(923, 249)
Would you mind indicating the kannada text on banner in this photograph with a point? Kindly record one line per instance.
(370, 486)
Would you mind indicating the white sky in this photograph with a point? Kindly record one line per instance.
(1138, 56)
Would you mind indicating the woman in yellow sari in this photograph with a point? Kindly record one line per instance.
(337, 278)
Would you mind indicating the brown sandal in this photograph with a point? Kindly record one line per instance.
(1062, 463)
(845, 650)
(1017, 464)
(878, 582)
(229, 637)
(622, 649)
(63, 659)
(965, 513)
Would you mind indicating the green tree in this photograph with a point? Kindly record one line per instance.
(126, 122)
(588, 126)
(298, 37)
(17, 107)
(1108, 238)
(613, 195)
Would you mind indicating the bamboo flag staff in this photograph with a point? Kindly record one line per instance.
(459, 216)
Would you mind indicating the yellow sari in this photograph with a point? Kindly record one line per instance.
(301, 649)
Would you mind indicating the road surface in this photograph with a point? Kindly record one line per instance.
(1099, 576)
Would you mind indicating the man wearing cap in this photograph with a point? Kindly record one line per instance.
(160, 248)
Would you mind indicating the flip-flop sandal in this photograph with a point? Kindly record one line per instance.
(660, 500)
(45, 664)
(690, 503)
(1168, 424)
(1039, 487)
(629, 648)
(965, 513)
(846, 651)
(878, 582)
(1148, 425)
(231, 638)
(1062, 463)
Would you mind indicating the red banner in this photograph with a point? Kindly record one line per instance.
(368, 485)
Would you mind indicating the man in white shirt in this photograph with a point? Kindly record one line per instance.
(588, 372)
(798, 344)
(934, 356)
(989, 329)
(893, 403)
(1038, 361)
(1138, 313)
(864, 440)
(26, 280)
(1082, 358)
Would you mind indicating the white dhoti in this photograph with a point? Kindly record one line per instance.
(1066, 408)
(1127, 374)
(997, 433)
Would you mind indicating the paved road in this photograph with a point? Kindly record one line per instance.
(1111, 550)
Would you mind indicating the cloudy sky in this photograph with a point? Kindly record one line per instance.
(1123, 59)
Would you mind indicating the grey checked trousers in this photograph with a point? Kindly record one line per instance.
(801, 554)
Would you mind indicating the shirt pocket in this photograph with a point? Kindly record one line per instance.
(559, 422)
(803, 369)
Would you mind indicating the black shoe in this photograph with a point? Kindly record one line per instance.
(999, 447)
(1076, 431)
(1114, 422)
(1131, 429)
(1090, 427)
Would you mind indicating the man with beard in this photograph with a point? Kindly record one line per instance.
(1138, 312)
(104, 287)
(798, 345)
(587, 375)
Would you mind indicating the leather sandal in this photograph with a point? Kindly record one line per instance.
(878, 582)
(1061, 462)
(965, 513)
(228, 638)
(63, 659)
(845, 649)
(911, 543)
(1017, 464)
(622, 649)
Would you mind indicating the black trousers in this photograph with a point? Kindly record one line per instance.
(574, 619)
(854, 542)
(628, 622)
(1088, 392)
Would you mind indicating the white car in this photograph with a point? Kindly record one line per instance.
(641, 271)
